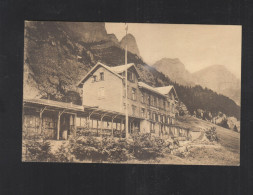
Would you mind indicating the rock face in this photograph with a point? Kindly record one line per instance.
(175, 70)
(58, 54)
(219, 79)
(131, 44)
(215, 77)
(85, 31)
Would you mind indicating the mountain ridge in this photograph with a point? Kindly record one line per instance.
(215, 77)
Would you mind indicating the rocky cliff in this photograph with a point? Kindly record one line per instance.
(132, 47)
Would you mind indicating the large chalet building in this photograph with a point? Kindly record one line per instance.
(150, 109)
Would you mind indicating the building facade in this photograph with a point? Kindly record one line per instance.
(151, 109)
(103, 110)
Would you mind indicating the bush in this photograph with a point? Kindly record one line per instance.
(211, 134)
(39, 151)
(145, 147)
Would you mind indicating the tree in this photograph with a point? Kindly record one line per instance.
(224, 123)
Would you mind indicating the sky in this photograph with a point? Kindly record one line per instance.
(197, 46)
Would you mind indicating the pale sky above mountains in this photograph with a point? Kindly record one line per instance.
(197, 46)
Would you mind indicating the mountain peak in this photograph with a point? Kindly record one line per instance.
(129, 39)
(174, 69)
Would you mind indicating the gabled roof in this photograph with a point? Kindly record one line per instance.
(93, 69)
(159, 90)
(122, 68)
(150, 88)
(115, 70)
(166, 89)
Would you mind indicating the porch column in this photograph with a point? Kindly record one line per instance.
(97, 127)
(101, 124)
(58, 124)
(41, 119)
(89, 118)
(121, 121)
(112, 127)
(74, 131)
(112, 123)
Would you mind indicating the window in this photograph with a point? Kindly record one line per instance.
(149, 115)
(94, 78)
(101, 76)
(134, 110)
(155, 101)
(148, 99)
(152, 127)
(133, 94)
(152, 101)
(130, 76)
(164, 105)
(101, 92)
(142, 112)
(142, 97)
(154, 116)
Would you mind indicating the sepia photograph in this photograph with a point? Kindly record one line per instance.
(131, 93)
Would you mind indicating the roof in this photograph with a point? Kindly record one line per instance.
(166, 89)
(150, 88)
(159, 90)
(121, 68)
(115, 70)
(55, 104)
(82, 110)
(93, 69)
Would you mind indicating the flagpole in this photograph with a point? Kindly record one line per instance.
(126, 125)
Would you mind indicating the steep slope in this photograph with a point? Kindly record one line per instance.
(132, 47)
(219, 79)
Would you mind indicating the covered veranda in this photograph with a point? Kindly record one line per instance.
(99, 122)
(59, 120)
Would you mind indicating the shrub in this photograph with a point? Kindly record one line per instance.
(39, 151)
(145, 147)
(211, 134)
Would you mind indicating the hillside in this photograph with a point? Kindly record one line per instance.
(229, 139)
(58, 54)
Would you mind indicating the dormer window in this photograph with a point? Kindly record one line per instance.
(101, 76)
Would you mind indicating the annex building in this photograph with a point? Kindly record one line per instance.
(150, 109)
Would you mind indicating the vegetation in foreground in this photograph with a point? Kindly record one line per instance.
(140, 148)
